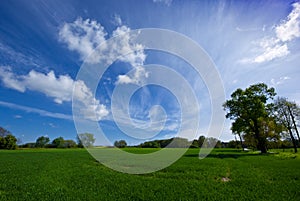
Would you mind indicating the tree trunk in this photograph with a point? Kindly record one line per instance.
(261, 141)
(241, 142)
(294, 122)
(293, 140)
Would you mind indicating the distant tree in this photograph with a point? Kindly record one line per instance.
(28, 145)
(42, 141)
(85, 139)
(8, 142)
(211, 142)
(201, 140)
(194, 144)
(120, 144)
(69, 144)
(58, 142)
(285, 113)
(233, 144)
(218, 144)
(249, 110)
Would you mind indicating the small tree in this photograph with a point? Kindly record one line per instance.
(285, 113)
(69, 144)
(201, 140)
(85, 139)
(58, 142)
(42, 141)
(8, 142)
(120, 144)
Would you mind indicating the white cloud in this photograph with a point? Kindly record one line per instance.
(139, 73)
(85, 36)
(290, 28)
(82, 36)
(60, 88)
(277, 47)
(271, 50)
(10, 80)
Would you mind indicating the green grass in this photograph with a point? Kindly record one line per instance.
(72, 174)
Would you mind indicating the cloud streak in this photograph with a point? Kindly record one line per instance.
(37, 111)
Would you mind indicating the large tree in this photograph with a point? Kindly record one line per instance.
(249, 111)
(285, 113)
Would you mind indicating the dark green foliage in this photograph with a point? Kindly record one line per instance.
(8, 142)
(194, 144)
(120, 144)
(41, 142)
(58, 142)
(69, 144)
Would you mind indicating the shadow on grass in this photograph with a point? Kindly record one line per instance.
(229, 154)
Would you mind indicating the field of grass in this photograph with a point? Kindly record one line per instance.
(72, 174)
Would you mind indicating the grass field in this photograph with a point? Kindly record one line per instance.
(72, 174)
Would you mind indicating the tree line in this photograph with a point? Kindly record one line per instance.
(259, 121)
(9, 141)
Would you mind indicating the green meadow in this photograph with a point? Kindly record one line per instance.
(226, 174)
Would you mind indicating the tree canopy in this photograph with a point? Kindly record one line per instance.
(249, 110)
(42, 141)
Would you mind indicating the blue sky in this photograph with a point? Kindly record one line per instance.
(44, 43)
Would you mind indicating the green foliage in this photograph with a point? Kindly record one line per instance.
(249, 110)
(120, 144)
(85, 139)
(58, 142)
(42, 141)
(194, 144)
(201, 140)
(72, 174)
(69, 144)
(8, 142)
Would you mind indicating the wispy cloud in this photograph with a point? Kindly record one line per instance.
(37, 111)
(18, 117)
(60, 88)
(273, 47)
(166, 2)
(117, 20)
(281, 80)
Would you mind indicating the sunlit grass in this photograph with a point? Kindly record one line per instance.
(72, 174)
